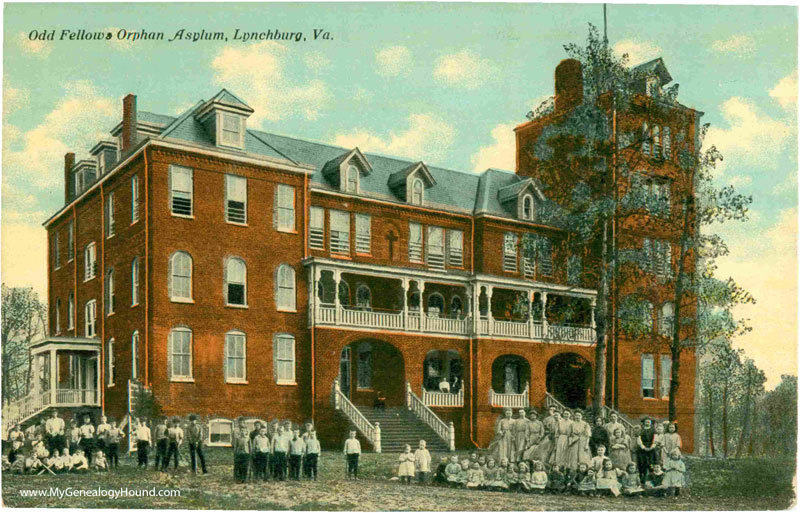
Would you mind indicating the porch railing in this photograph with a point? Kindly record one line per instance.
(371, 432)
(549, 401)
(445, 431)
(443, 399)
(24, 408)
(71, 396)
(521, 400)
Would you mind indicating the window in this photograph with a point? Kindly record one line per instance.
(648, 376)
(110, 295)
(544, 254)
(90, 261)
(363, 234)
(235, 282)
(316, 230)
(364, 365)
(666, 139)
(110, 230)
(58, 316)
(56, 256)
(285, 208)
(527, 207)
(656, 141)
(666, 375)
(90, 318)
(134, 199)
(181, 190)
(235, 357)
(231, 134)
(135, 355)
(71, 311)
(351, 184)
(646, 313)
(180, 354)
(435, 304)
(220, 433)
(70, 241)
(510, 252)
(135, 282)
(574, 268)
(645, 140)
(285, 289)
(340, 232)
(110, 361)
(284, 359)
(417, 192)
(236, 199)
(414, 242)
(455, 248)
(363, 297)
(180, 277)
(435, 247)
(665, 319)
(658, 257)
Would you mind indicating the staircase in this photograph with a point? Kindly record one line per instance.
(400, 427)
(29, 408)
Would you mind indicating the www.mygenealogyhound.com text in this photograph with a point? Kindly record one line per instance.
(193, 36)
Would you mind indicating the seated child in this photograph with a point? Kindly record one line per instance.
(597, 462)
(452, 470)
(482, 462)
(440, 476)
(524, 476)
(18, 465)
(56, 463)
(99, 461)
(406, 470)
(32, 464)
(512, 477)
(654, 483)
(608, 477)
(79, 463)
(557, 480)
(473, 458)
(40, 451)
(66, 460)
(493, 479)
(538, 477)
(631, 484)
(474, 476)
(582, 482)
(675, 470)
(7, 462)
(503, 466)
(463, 473)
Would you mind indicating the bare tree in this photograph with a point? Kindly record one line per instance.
(24, 319)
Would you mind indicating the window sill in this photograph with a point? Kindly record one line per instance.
(286, 383)
(243, 225)
(286, 230)
(340, 256)
(181, 380)
(237, 382)
(242, 307)
(110, 385)
(364, 254)
(650, 399)
(109, 314)
(182, 216)
(285, 310)
(134, 222)
(134, 305)
(181, 300)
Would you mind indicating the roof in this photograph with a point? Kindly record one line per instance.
(657, 67)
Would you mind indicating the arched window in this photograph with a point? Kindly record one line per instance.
(135, 282)
(110, 363)
(363, 297)
(665, 319)
(417, 192)
(527, 207)
(110, 296)
(135, 355)
(456, 307)
(235, 369)
(180, 354)
(235, 282)
(285, 289)
(352, 179)
(435, 304)
(180, 277)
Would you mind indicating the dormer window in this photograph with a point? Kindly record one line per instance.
(417, 192)
(410, 183)
(352, 179)
(527, 207)
(231, 130)
(225, 119)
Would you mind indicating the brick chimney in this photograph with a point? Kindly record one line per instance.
(128, 123)
(69, 162)
(569, 85)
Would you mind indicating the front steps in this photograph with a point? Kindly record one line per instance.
(400, 427)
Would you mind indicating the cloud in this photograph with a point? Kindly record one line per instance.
(785, 92)
(501, 154)
(787, 185)
(738, 44)
(638, 51)
(257, 74)
(463, 69)
(14, 99)
(34, 47)
(427, 138)
(393, 61)
(740, 180)
(752, 138)
(316, 61)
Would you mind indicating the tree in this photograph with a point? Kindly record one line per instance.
(776, 424)
(24, 319)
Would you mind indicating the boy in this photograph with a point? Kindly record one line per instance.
(175, 437)
(142, 442)
(194, 435)
(87, 437)
(280, 447)
(313, 451)
(261, 450)
(297, 447)
(161, 442)
(241, 454)
(352, 451)
(111, 437)
(99, 461)
(74, 436)
(100, 433)
(422, 460)
(55, 432)
(18, 465)
(79, 463)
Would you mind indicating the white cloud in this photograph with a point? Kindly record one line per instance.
(787, 185)
(752, 138)
(463, 69)
(257, 74)
(740, 180)
(785, 92)
(316, 61)
(33, 46)
(14, 99)
(393, 61)
(638, 51)
(427, 138)
(501, 154)
(738, 44)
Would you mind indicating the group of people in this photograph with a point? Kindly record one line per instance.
(275, 452)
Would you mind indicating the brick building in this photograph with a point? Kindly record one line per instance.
(240, 273)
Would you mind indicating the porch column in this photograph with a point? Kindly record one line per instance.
(593, 305)
(35, 373)
(544, 314)
(468, 306)
(99, 378)
(311, 294)
(53, 376)
(404, 283)
(422, 313)
(530, 313)
(337, 278)
(489, 291)
(476, 309)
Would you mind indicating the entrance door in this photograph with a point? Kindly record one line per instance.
(569, 377)
(344, 371)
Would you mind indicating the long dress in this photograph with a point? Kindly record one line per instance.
(674, 471)
(645, 454)
(620, 451)
(503, 444)
(578, 452)
(672, 441)
(599, 437)
(406, 468)
(544, 450)
(534, 440)
(520, 431)
(561, 436)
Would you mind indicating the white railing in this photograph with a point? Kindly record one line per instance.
(445, 431)
(537, 331)
(24, 408)
(511, 329)
(443, 399)
(371, 319)
(569, 333)
(71, 396)
(445, 325)
(371, 432)
(549, 401)
(511, 400)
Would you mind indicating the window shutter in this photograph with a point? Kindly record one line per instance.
(169, 276)
(225, 352)
(276, 286)
(293, 299)
(169, 355)
(225, 281)
(275, 208)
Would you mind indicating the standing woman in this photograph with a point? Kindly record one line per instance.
(521, 431)
(535, 437)
(561, 437)
(620, 449)
(600, 436)
(672, 441)
(502, 446)
(646, 448)
(579, 436)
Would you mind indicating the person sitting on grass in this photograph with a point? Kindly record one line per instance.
(539, 479)
(654, 484)
(463, 473)
(55, 462)
(503, 467)
(32, 464)
(631, 484)
(482, 462)
(474, 476)
(582, 482)
(440, 476)
(473, 458)
(675, 470)
(608, 478)
(18, 465)
(406, 469)
(490, 476)
(422, 462)
(512, 477)
(66, 460)
(556, 480)
(79, 462)
(452, 470)
(99, 461)
(524, 474)
(597, 461)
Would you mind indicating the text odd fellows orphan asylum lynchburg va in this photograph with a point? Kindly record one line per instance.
(236, 273)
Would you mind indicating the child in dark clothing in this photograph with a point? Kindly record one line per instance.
(440, 476)
(654, 484)
(557, 480)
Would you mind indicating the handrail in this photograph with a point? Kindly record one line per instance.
(622, 418)
(443, 399)
(549, 401)
(445, 431)
(24, 408)
(371, 432)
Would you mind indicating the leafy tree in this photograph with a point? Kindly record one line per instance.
(24, 319)
(776, 424)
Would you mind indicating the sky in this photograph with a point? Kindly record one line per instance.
(443, 83)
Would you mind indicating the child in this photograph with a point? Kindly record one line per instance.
(440, 477)
(654, 484)
(482, 462)
(111, 437)
(242, 449)
(674, 475)
(32, 464)
(406, 469)
(631, 484)
(99, 461)
(492, 476)
(66, 460)
(608, 477)
(55, 462)
(582, 482)
(620, 449)
(503, 467)
(452, 470)
(79, 462)
(260, 445)
(352, 451)
(463, 473)
(422, 462)
(18, 465)
(474, 476)
(658, 443)
(313, 451)
(297, 447)
(473, 458)
(512, 477)
(557, 480)
(597, 461)
(672, 440)
(539, 479)
(280, 449)
(524, 476)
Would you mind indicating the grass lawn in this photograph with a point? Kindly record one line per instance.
(715, 485)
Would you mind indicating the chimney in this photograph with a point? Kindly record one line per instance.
(69, 162)
(569, 85)
(128, 123)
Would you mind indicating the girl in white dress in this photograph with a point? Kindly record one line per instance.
(406, 469)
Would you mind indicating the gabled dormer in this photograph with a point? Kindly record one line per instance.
(105, 153)
(346, 171)
(522, 198)
(411, 182)
(652, 77)
(225, 119)
(84, 175)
